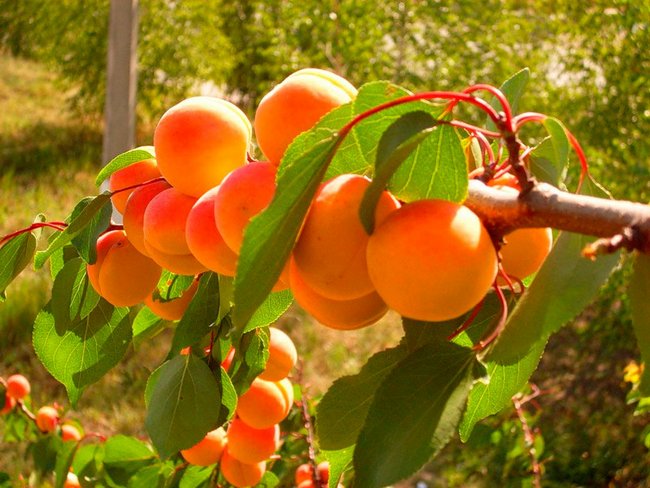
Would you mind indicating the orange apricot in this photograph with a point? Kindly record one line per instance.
(133, 216)
(431, 260)
(331, 249)
(199, 141)
(282, 356)
(303, 472)
(70, 433)
(71, 481)
(121, 274)
(165, 219)
(227, 361)
(250, 445)
(9, 404)
(134, 174)
(241, 474)
(172, 309)
(208, 450)
(336, 314)
(296, 105)
(243, 194)
(204, 239)
(264, 404)
(182, 264)
(18, 386)
(47, 418)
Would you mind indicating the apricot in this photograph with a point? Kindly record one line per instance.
(172, 309)
(264, 404)
(227, 361)
(250, 445)
(331, 249)
(47, 419)
(208, 450)
(18, 386)
(71, 481)
(121, 274)
(134, 174)
(282, 356)
(296, 105)
(431, 260)
(243, 194)
(182, 264)
(336, 314)
(204, 239)
(70, 433)
(133, 216)
(305, 474)
(241, 474)
(199, 141)
(9, 404)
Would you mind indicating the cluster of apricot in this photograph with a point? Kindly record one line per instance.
(304, 475)
(254, 433)
(47, 418)
(430, 260)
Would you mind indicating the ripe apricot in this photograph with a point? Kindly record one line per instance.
(182, 264)
(9, 404)
(264, 404)
(244, 193)
(250, 445)
(241, 474)
(172, 309)
(208, 450)
(71, 481)
(121, 274)
(431, 260)
(305, 474)
(336, 314)
(331, 249)
(204, 239)
(47, 418)
(227, 361)
(70, 433)
(134, 174)
(199, 141)
(18, 386)
(282, 356)
(296, 105)
(133, 216)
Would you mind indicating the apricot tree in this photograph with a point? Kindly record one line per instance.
(381, 200)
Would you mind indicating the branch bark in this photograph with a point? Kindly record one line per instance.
(546, 206)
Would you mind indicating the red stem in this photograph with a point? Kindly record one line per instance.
(502, 321)
(138, 185)
(477, 308)
(56, 225)
(498, 94)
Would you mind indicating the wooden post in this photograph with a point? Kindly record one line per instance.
(121, 80)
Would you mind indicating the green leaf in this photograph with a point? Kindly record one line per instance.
(123, 160)
(342, 410)
(270, 236)
(146, 325)
(639, 291)
(80, 353)
(64, 458)
(270, 310)
(414, 413)
(151, 476)
(513, 89)
(200, 315)
(124, 456)
(87, 462)
(184, 405)
(251, 354)
(15, 255)
(172, 286)
(340, 461)
(44, 452)
(73, 297)
(82, 217)
(86, 241)
(228, 396)
(550, 159)
(562, 288)
(196, 477)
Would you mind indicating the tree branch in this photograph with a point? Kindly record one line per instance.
(546, 206)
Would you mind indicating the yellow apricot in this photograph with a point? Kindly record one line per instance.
(133, 216)
(282, 356)
(208, 450)
(296, 105)
(131, 175)
(264, 404)
(199, 141)
(18, 386)
(204, 239)
(172, 309)
(331, 250)
(432, 260)
(250, 445)
(336, 314)
(47, 419)
(241, 474)
(121, 274)
(244, 193)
